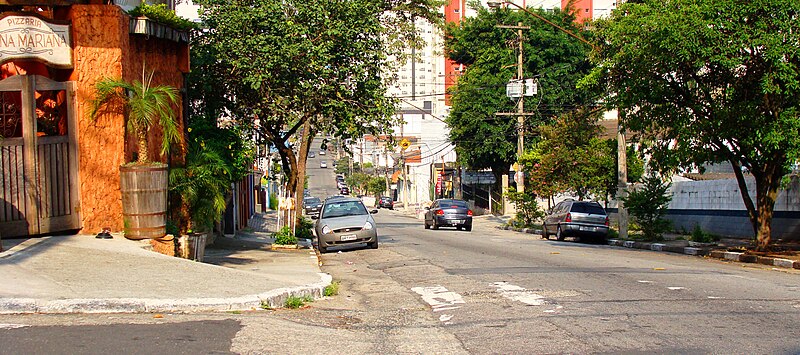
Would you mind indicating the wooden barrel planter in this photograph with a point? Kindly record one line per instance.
(144, 200)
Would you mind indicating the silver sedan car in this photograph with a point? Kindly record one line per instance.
(344, 221)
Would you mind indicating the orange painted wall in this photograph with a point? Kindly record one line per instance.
(103, 47)
(453, 12)
(583, 9)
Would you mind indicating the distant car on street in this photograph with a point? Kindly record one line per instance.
(311, 155)
(345, 221)
(321, 152)
(386, 202)
(312, 205)
(344, 190)
(448, 213)
(323, 164)
(576, 218)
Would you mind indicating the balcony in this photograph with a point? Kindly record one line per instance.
(148, 27)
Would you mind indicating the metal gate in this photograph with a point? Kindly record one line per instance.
(39, 189)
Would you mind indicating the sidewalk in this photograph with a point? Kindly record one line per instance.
(82, 274)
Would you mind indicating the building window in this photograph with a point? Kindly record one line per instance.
(457, 10)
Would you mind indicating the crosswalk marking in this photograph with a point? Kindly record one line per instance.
(519, 294)
(439, 297)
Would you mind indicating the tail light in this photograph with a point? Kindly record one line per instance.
(469, 212)
(440, 213)
(607, 224)
(569, 218)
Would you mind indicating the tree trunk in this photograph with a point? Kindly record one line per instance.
(143, 154)
(760, 214)
(305, 145)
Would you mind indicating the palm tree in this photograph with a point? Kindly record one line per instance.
(202, 184)
(144, 104)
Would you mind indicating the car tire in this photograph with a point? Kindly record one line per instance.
(435, 226)
(427, 226)
(373, 245)
(559, 235)
(545, 235)
(468, 228)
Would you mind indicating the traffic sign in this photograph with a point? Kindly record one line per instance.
(404, 144)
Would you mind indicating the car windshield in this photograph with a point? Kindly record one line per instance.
(453, 204)
(589, 208)
(312, 201)
(343, 209)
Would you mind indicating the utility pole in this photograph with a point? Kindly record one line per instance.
(622, 176)
(521, 117)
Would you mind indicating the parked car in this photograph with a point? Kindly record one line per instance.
(345, 221)
(321, 152)
(448, 213)
(311, 155)
(312, 205)
(340, 184)
(344, 190)
(386, 202)
(323, 164)
(576, 218)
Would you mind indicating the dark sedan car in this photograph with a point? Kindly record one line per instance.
(449, 213)
(386, 202)
(312, 205)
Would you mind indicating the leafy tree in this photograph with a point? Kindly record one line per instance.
(145, 106)
(710, 81)
(648, 205)
(202, 184)
(528, 211)
(483, 139)
(301, 67)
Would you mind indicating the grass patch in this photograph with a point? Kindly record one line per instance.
(332, 289)
(265, 305)
(294, 302)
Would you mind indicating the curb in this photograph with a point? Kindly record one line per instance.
(705, 251)
(272, 299)
(696, 251)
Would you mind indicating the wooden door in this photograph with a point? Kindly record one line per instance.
(39, 190)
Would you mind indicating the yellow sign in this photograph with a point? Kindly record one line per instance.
(515, 167)
(405, 144)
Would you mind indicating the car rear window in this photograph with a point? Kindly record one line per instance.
(590, 208)
(453, 204)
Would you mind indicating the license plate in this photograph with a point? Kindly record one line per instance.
(458, 221)
(345, 238)
(587, 229)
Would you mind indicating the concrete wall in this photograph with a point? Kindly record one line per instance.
(717, 207)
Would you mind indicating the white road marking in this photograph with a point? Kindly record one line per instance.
(445, 317)
(645, 281)
(12, 326)
(516, 293)
(714, 297)
(674, 288)
(439, 297)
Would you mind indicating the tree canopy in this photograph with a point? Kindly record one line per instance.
(483, 139)
(292, 66)
(710, 81)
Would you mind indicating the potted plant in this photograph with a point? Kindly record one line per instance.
(143, 183)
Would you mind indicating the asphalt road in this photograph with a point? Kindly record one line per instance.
(483, 292)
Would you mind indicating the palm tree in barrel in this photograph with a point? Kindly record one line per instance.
(144, 104)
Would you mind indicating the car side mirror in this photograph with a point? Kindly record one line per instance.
(373, 211)
(314, 217)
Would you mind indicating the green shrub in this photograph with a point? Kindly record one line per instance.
(528, 211)
(161, 14)
(273, 201)
(303, 229)
(700, 236)
(332, 289)
(612, 233)
(285, 237)
(295, 302)
(648, 205)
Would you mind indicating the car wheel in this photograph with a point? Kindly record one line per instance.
(545, 235)
(322, 250)
(468, 228)
(559, 235)
(373, 245)
(427, 226)
(435, 226)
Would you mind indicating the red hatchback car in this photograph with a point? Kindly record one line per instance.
(449, 213)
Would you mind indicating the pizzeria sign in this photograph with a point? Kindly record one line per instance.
(32, 37)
